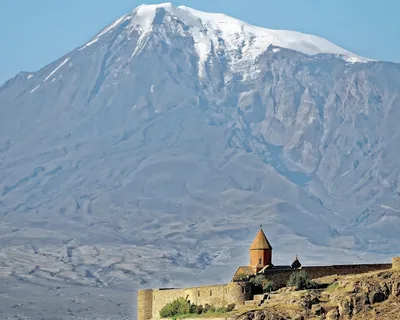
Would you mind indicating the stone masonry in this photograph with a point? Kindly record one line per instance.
(150, 302)
(396, 262)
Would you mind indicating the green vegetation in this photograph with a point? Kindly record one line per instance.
(332, 286)
(301, 281)
(262, 282)
(242, 276)
(177, 307)
(180, 308)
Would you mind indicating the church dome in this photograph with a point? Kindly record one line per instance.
(260, 242)
(296, 264)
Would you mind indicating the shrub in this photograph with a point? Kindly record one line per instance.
(208, 308)
(301, 281)
(268, 286)
(258, 280)
(199, 309)
(242, 276)
(175, 308)
(262, 282)
(193, 308)
(230, 307)
(181, 307)
(220, 310)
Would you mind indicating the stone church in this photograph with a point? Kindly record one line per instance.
(261, 259)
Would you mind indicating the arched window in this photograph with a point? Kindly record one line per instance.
(198, 293)
(210, 293)
(260, 261)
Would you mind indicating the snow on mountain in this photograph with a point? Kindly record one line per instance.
(153, 152)
(213, 33)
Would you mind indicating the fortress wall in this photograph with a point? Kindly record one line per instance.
(217, 295)
(145, 304)
(238, 292)
(162, 297)
(396, 262)
(323, 271)
(280, 277)
(212, 295)
(150, 302)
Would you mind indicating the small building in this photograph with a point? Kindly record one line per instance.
(261, 260)
(260, 257)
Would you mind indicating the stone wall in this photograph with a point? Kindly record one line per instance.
(239, 292)
(280, 277)
(396, 262)
(145, 304)
(323, 271)
(150, 302)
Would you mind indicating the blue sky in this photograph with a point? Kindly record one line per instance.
(35, 32)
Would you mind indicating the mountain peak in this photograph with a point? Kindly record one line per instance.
(239, 38)
(165, 5)
(145, 9)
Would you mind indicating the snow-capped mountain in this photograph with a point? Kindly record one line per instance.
(167, 138)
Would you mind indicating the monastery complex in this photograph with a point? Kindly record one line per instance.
(240, 290)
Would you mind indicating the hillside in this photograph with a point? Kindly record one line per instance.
(369, 296)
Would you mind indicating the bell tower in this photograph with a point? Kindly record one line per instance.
(260, 252)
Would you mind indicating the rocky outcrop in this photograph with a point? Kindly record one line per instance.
(269, 315)
(368, 292)
(369, 296)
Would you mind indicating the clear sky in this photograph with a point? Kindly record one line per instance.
(34, 33)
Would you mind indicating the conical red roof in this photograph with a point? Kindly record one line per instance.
(260, 242)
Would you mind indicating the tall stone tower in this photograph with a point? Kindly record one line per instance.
(260, 252)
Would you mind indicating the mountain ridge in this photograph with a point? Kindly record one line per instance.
(295, 41)
(305, 43)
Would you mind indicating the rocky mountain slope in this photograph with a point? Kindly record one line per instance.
(151, 153)
(369, 296)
